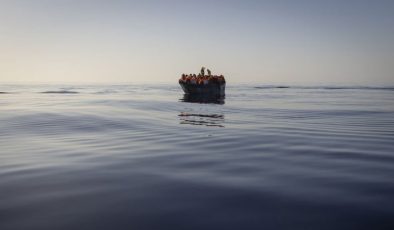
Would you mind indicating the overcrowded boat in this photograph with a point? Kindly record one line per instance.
(203, 84)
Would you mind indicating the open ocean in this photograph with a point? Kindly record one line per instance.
(148, 157)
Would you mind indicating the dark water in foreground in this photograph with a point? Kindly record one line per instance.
(146, 157)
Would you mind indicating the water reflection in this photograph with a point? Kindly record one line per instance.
(203, 99)
(197, 118)
(214, 120)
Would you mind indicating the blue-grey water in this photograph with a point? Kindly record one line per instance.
(148, 157)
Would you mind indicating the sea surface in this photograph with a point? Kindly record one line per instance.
(146, 156)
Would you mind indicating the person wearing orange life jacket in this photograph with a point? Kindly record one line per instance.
(193, 79)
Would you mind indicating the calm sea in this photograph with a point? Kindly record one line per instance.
(148, 157)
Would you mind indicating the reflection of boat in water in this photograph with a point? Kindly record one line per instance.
(214, 120)
(203, 98)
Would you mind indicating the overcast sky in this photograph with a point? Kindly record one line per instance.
(278, 41)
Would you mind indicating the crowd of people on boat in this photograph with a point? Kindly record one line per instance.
(202, 78)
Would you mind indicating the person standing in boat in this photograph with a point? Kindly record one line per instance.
(203, 71)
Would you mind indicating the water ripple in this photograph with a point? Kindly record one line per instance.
(149, 157)
(61, 92)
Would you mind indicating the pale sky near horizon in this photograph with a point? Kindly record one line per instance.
(282, 41)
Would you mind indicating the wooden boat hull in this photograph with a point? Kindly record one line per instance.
(209, 89)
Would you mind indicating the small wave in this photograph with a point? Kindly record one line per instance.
(3, 92)
(106, 92)
(328, 87)
(272, 87)
(357, 87)
(201, 115)
(61, 92)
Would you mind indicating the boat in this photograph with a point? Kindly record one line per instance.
(203, 98)
(214, 88)
(203, 84)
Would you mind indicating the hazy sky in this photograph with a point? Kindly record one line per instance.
(278, 41)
